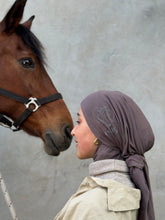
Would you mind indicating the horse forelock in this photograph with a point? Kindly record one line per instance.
(32, 42)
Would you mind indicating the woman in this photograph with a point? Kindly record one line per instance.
(114, 132)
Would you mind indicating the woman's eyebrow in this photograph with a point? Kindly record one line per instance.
(78, 114)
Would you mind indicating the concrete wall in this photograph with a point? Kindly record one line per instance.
(90, 45)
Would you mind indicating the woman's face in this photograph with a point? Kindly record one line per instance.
(84, 138)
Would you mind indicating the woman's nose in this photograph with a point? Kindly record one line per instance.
(72, 132)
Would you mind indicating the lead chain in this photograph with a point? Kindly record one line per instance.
(7, 198)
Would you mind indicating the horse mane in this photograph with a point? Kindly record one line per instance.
(32, 42)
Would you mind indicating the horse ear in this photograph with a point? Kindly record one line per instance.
(13, 17)
(28, 23)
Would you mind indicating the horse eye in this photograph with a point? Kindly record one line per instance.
(27, 62)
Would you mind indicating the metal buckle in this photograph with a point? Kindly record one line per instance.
(7, 122)
(4, 125)
(32, 101)
(12, 127)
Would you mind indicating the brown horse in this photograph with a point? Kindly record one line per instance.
(28, 98)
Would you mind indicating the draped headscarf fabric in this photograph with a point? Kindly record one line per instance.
(124, 133)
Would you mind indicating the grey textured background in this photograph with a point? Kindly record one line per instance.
(90, 45)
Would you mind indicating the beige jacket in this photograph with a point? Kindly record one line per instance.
(102, 199)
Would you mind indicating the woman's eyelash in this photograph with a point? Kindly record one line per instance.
(78, 122)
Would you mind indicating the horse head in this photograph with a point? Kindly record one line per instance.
(23, 74)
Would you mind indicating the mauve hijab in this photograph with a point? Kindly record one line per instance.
(125, 134)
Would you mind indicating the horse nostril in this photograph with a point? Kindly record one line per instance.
(67, 132)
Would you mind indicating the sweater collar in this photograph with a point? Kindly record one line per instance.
(105, 166)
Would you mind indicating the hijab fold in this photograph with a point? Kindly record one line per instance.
(124, 133)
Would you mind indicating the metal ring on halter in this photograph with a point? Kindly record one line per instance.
(32, 101)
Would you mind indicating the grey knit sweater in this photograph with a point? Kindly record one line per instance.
(111, 169)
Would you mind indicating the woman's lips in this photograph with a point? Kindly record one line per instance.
(76, 142)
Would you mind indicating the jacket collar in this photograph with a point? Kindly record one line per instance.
(119, 196)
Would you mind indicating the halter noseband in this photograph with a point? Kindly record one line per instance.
(34, 102)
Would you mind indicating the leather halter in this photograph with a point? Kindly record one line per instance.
(31, 104)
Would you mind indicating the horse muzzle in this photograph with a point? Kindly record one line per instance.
(55, 143)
